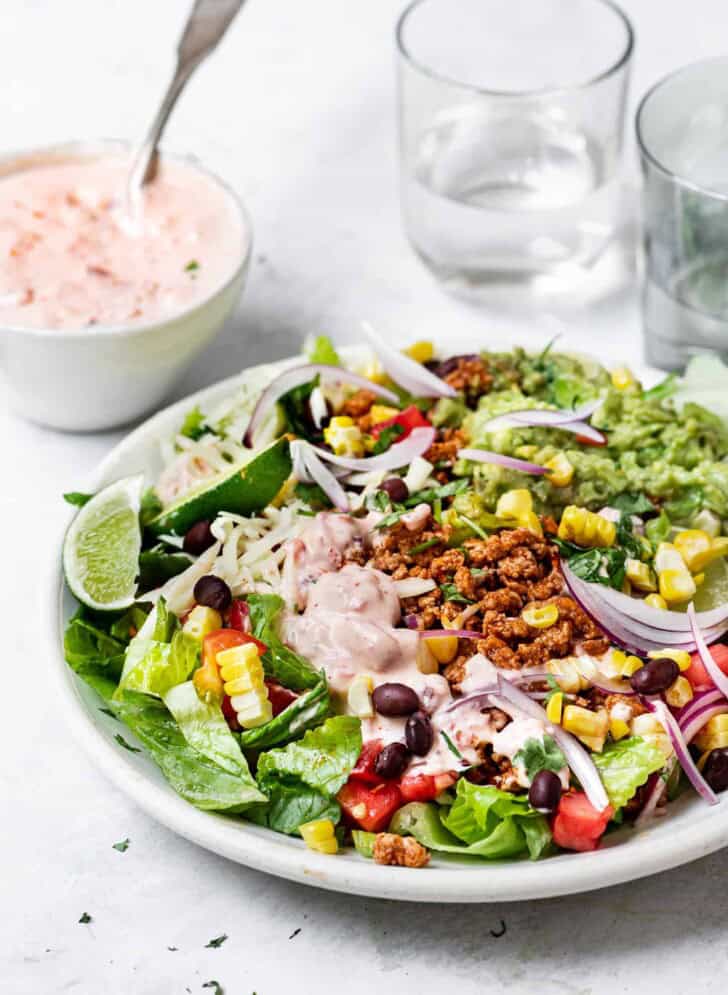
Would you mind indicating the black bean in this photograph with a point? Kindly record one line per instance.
(545, 791)
(715, 770)
(479, 775)
(392, 761)
(448, 365)
(198, 538)
(655, 676)
(213, 592)
(395, 699)
(418, 733)
(396, 488)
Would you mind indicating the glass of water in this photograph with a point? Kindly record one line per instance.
(682, 130)
(511, 122)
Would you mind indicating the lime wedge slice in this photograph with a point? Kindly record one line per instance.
(102, 545)
(714, 589)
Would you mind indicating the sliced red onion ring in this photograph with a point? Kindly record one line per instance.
(544, 417)
(486, 456)
(612, 686)
(482, 694)
(410, 621)
(322, 476)
(413, 587)
(460, 633)
(623, 629)
(297, 375)
(318, 406)
(577, 758)
(658, 790)
(400, 454)
(702, 700)
(413, 376)
(659, 618)
(682, 752)
(691, 728)
(718, 677)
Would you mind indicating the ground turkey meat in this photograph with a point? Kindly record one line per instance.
(399, 851)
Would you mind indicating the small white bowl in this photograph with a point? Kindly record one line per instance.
(97, 378)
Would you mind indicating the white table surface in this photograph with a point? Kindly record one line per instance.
(297, 111)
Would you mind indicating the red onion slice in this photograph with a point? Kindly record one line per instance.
(486, 456)
(577, 757)
(613, 686)
(400, 454)
(719, 678)
(692, 727)
(658, 790)
(460, 633)
(413, 376)
(701, 701)
(682, 752)
(542, 417)
(659, 618)
(297, 375)
(322, 476)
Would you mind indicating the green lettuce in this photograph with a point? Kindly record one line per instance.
(279, 662)
(194, 776)
(158, 660)
(482, 822)
(94, 645)
(625, 765)
(301, 779)
(204, 727)
(321, 350)
(307, 711)
(158, 565)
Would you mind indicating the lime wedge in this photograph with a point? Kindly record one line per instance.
(714, 589)
(102, 545)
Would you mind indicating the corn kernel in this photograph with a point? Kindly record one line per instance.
(718, 548)
(532, 522)
(618, 728)
(590, 727)
(681, 657)
(586, 528)
(693, 544)
(679, 693)
(640, 575)
(425, 659)
(676, 586)
(554, 707)
(319, 835)
(208, 683)
(567, 676)
(359, 696)
(630, 666)
(669, 557)
(443, 648)
(252, 709)
(540, 617)
(514, 504)
(708, 521)
(656, 601)
(526, 452)
(421, 352)
(561, 471)
(699, 579)
(647, 727)
(714, 734)
(622, 378)
(382, 412)
(201, 621)
(344, 437)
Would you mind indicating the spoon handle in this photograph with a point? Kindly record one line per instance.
(207, 23)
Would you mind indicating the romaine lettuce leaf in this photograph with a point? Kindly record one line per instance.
(154, 667)
(482, 822)
(156, 566)
(204, 727)
(625, 765)
(195, 777)
(94, 649)
(322, 760)
(302, 778)
(280, 662)
(304, 713)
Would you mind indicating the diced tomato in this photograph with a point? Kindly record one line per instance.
(280, 697)
(230, 716)
(364, 770)
(239, 617)
(425, 787)
(577, 825)
(370, 808)
(408, 419)
(696, 672)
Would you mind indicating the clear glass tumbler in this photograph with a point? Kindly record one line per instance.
(511, 123)
(682, 130)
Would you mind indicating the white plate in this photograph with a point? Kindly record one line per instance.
(691, 830)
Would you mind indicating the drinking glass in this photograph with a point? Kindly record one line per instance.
(511, 120)
(682, 131)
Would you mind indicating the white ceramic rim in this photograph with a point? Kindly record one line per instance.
(444, 881)
(90, 147)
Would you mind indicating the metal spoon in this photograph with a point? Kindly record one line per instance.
(207, 23)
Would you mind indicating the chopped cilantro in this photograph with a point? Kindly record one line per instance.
(217, 941)
(554, 688)
(633, 504)
(193, 425)
(422, 546)
(107, 711)
(192, 266)
(122, 846)
(127, 746)
(450, 745)
(77, 498)
(216, 986)
(85, 918)
(481, 533)
(451, 593)
(386, 437)
(541, 754)
(433, 493)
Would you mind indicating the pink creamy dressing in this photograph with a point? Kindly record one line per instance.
(71, 259)
(349, 626)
